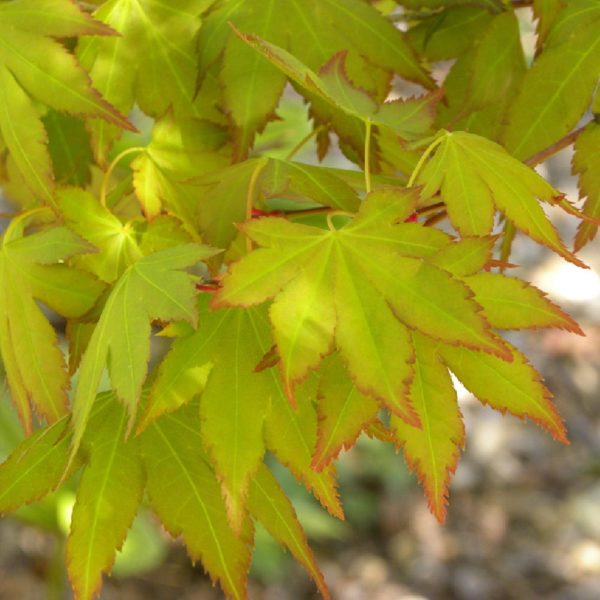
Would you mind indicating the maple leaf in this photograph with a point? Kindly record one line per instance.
(36, 67)
(30, 270)
(475, 176)
(154, 287)
(185, 494)
(252, 87)
(380, 290)
(268, 503)
(433, 450)
(179, 150)
(229, 343)
(69, 147)
(116, 242)
(159, 38)
(586, 163)
(483, 79)
(511, 303)
(108, 496)
(434, 36)
(235, 399)
(508, 386)
(555, 93)
(291, 435)
(343, 413)
(35, 467)
(546, 12)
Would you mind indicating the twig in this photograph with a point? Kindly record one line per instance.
(542, 155)
(368, 156)
(304, 141)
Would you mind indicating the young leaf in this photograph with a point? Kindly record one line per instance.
(108, 497)
(586, 163)
(160, 41)
(180, 149)
(152, 288)
(35, 366)
(513, 387)
(268, 504)
(474, 175)
(35, 467)
(432, 451)
(185, 494)
(343, 413)
(116, 242)
(298, 261)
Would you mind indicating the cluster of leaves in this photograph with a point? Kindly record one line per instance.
(304, 305)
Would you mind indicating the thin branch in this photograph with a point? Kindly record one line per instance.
(304, 141)
(367, 158)
(542, 155)
(252, 193)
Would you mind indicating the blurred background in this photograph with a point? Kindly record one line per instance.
(524, 515)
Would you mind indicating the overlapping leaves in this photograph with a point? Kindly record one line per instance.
(321, 332)
(34, 66)
(252, 87)
(476, 176)
(31, 268)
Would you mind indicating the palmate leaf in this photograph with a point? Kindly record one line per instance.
(558, 89)
(159, 38)
(108, 496)
(343, 413)
(252, 86)
(116, 242)
(179, 150)
(235, 400)
(586, 163)
(229, 343)
(154, 287)
(484, 78)
(69, 147)
(433, 450)
(475, 176)
(34, 66)
(30, 270)
(185, 494)
(35, 467)
(270, 506)
(513, 387)
(510, 303)
(448, 34)
(291, 435)
(380, 290)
